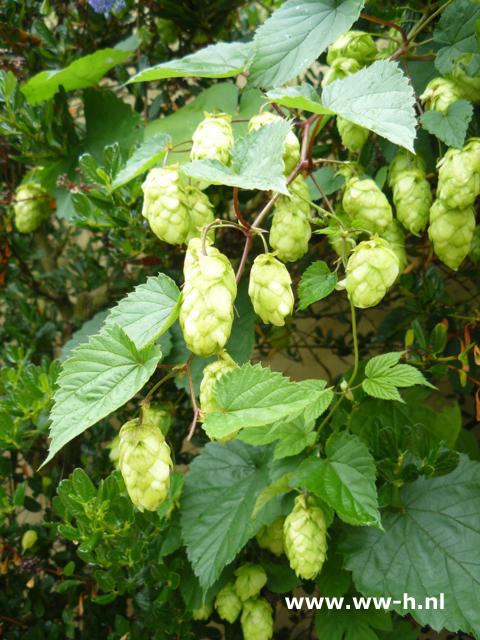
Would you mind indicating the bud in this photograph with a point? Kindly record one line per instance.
(367, 205)
(403, 160)
(466, 78)
(270, 537)
(353, 44)
(395, 236)
(353, 137)
(228, 604)
(412, 198)
(458, 181)
(371, 270)
(291, 152)
(251, 578)
(201, 213)
(439, 94)
(257, 620)
(165, 204)
(31, 207)
(211, 374)
(474, 252)
(203, 613)
(145, 464)
(305, 534)
(213, 138)
(451, 232)
(29, 538)
(270, 289)
(340, 68)
(206, 313)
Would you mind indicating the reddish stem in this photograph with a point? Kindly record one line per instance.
(238, 213)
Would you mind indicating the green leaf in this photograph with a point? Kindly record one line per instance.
(456, 32)
(148, 311)
(327, 180)
(257, 161)
(277, 488)
(317, 282)
(84, 72)
(345, 479)
(97, 379)
(253, 396)
(220, 60)
(354, 624)
(430, 546)
(333, 581)
(88, 328)
(383, 376)
(146, 156)
(280, 577)
(450, 127)
(220, 492)
(378, 97)
(292, 436)
(295, 35)
(300, 97)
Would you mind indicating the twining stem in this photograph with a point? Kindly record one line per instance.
(169, 375)
(423, 23)
(196, 411)
(238, 213)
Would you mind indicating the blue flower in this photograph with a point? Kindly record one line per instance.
(104, 6)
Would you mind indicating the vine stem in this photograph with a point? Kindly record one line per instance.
(196, 411)
(169, 375)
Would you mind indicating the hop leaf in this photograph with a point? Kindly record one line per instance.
(257, 620)
(451, 232)
(270, 290)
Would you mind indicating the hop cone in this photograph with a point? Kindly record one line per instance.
(395, 236)
(451, 232)
(228, 604)
(290, 231)
(166, 205)
(211, 374)
(29, 538)
(145, 464)
(340, 68)
(458, 181)
(387, 46)
(305, 535)
(371, 270)
(412, 198)
(299, 199)
(403, 161)
(353, 44)
(366, 205)
(468, 83)
(31, 207)
(156, 415)
(201, 212)
(270, 289)
(353, 137)
(270, 537)
(474, 252)
(114, 454)
(472, 151)
(291, 153)
(203, 613)
(251, 578)
(206, 314)
(213, 138)
(439, 94)
(257, 620)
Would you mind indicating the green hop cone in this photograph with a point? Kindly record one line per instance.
(206, 312)
(353, 137)
(291, 152)
(451, 232)
(412, 198)
(371, 270)
(31, 207)
(157, 415)
(201, 213)
(270, 289)
(203, 613)
(305, 536)
(270, 537)
(165, 204)
(367, 205)
(257, 619)
(29, 538)
(403, 160)
(145, 464)
(388, 45)
(458, 181)
(251, 578)
(439, 94)
(474, 251)
(395, 236)
(228, 604)
(472, 152)
(114, 453)
(353, 44)
(290, 232)
(340, 68)
(213, 138)
(211, 374)
(465, 75)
